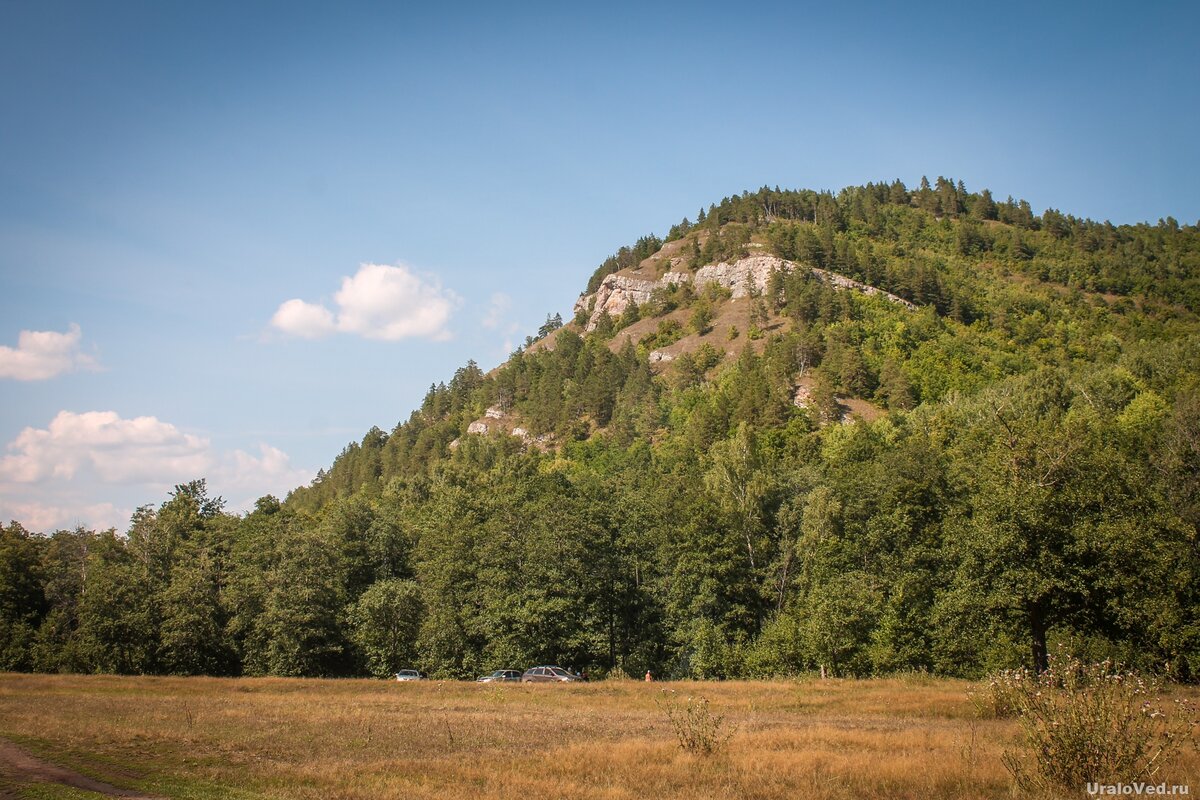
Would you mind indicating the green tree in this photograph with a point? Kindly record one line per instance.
(193, 640)
(22, 599)
(737, 479)
(842, 614)
(301, 618)
(894, 387)
(702, 317)
(822, 401)
(1058, 529)
(118, 619)
(384, 624)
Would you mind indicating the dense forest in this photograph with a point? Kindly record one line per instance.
(1032, 477)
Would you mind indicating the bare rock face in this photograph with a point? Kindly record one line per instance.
(582, 303)
(616, 291)
(494, 412)
(739, 276)
(615, 294)
(658, 355)
(500, 424)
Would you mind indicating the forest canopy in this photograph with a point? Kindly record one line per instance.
(1031, 475)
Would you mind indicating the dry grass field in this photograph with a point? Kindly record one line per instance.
(913, 738)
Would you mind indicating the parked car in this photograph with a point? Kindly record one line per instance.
(409, 675)
(548, 675)
(502, 676)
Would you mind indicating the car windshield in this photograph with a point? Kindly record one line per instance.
(559, 671)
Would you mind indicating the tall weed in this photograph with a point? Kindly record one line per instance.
(698, 729)
(1087, 723)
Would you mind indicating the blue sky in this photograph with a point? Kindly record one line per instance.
(424, 186)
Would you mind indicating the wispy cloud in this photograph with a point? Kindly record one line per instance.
(48, 517)
(40, 355)
(496, 318)
(498, 308)
(377, 302)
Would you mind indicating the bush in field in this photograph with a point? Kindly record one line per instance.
(1001, 697)
(1087, 723)
(698, 729)
(618, 673)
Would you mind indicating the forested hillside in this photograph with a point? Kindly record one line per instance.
(804, 476)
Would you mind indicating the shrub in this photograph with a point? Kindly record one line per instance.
(617, 673)
(669, 331)
(708, 356)
(1001, 696)
(1088, 723)
(698, 729)
(702, 317)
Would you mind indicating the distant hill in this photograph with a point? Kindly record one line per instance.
(878, 430)
(982, 290)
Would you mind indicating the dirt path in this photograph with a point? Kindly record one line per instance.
(19, 765)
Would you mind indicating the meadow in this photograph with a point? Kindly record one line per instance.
(909, 737)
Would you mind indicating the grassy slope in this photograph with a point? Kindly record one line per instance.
(283, 738)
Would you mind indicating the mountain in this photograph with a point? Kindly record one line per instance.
(883, 429)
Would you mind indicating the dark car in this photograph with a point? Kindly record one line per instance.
(409, 675)
(548, 675)
(502, 676)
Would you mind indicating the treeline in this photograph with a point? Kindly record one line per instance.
(1037, 479)
(957, 538)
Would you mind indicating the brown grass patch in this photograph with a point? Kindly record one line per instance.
(281, 738)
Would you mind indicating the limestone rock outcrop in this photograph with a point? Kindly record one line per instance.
(617, 291)
(739, 276)
(615, 294)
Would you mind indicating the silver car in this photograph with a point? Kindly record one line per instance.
(409, 675)
(502, 676)
(548, 675)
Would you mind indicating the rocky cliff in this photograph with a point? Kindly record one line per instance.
(618, 291)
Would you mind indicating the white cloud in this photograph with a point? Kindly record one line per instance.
(43, 354)
(377, 302)
(248, 477)
(303, 319)
(45, 518)
(112, 449)
(69, 472)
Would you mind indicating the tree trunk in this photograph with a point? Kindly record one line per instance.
(1037, 631)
